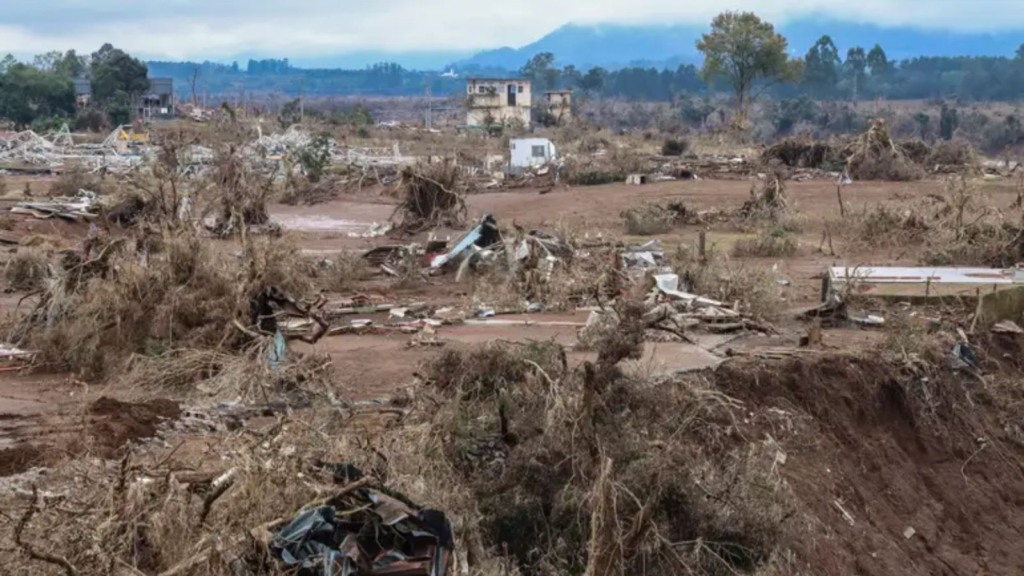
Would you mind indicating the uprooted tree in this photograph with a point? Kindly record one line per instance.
(429, 196)
(876, 157)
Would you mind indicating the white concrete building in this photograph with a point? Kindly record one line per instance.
(497, 101)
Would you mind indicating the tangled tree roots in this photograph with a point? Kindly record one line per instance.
(98, 306)
(876, 157)
(429, 197)
(241, 196)
(801, 153)
(767, 195)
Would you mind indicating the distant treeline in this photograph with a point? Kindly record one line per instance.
(862, 74)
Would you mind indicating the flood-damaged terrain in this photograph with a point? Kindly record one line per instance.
(409, 369)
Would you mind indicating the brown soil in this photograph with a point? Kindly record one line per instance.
(855, 431)
(859, 435)
(117, 423)
(19, 459)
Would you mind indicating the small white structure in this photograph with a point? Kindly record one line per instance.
(526, 153)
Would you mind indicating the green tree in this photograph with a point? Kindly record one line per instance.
(746, 51)
(949, 121)
(570, 76)
(116, 76)
(72, 65)
(315, 158)
(28, 94)
(856, 65)
(821, 67)
(541, 71)
(7, 62)
(878, 62)
(923, 125)
(593, 81)
(291, 113)
(48, 62)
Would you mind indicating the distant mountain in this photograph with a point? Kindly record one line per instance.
(607, 45)
(358, 60)
(616, 46)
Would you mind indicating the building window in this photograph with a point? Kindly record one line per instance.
(469, 89)
(538, 151)
(520, 89)
(482, 89)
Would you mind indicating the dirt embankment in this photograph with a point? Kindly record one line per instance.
(901, 470)
(110, 424)
(115, 423)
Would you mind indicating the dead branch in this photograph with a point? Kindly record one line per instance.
(32, 552)
(218, 487)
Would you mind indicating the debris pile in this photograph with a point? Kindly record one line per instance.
(803, 153)
(767, 195)
(430, 197)
(361, 531)
(242, 195)
(876, 157)
(83, 206)
(29, 152)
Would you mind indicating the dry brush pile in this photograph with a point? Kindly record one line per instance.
(430, 196)
(543, 470)
(959, 225)
(151, 280)
(874, 155)
(95, 308)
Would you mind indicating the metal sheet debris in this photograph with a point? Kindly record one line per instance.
(365, 532)
(668, 284)
(82, 206)
(919, 275)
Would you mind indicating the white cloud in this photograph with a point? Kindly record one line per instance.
(306, 28)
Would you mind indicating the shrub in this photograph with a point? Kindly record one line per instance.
(648, 220)
(675, 147)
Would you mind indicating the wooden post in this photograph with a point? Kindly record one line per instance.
(839, 195)
(702, 246)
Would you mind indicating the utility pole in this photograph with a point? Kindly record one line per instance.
(302, 99)
(430, 111)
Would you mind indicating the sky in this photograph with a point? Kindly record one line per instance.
(223, 29)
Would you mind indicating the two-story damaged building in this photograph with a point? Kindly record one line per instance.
(497, 101)
(158, 101)
(559, 104)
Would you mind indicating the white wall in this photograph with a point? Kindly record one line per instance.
(521, 152)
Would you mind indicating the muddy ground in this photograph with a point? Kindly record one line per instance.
(856, 450)
(377, 366)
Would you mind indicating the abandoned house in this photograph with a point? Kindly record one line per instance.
(83, 91)
(558, 103)
(158, 101)
(497, 101)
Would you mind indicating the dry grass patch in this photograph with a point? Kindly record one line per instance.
(770, 242)
(752, 288)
